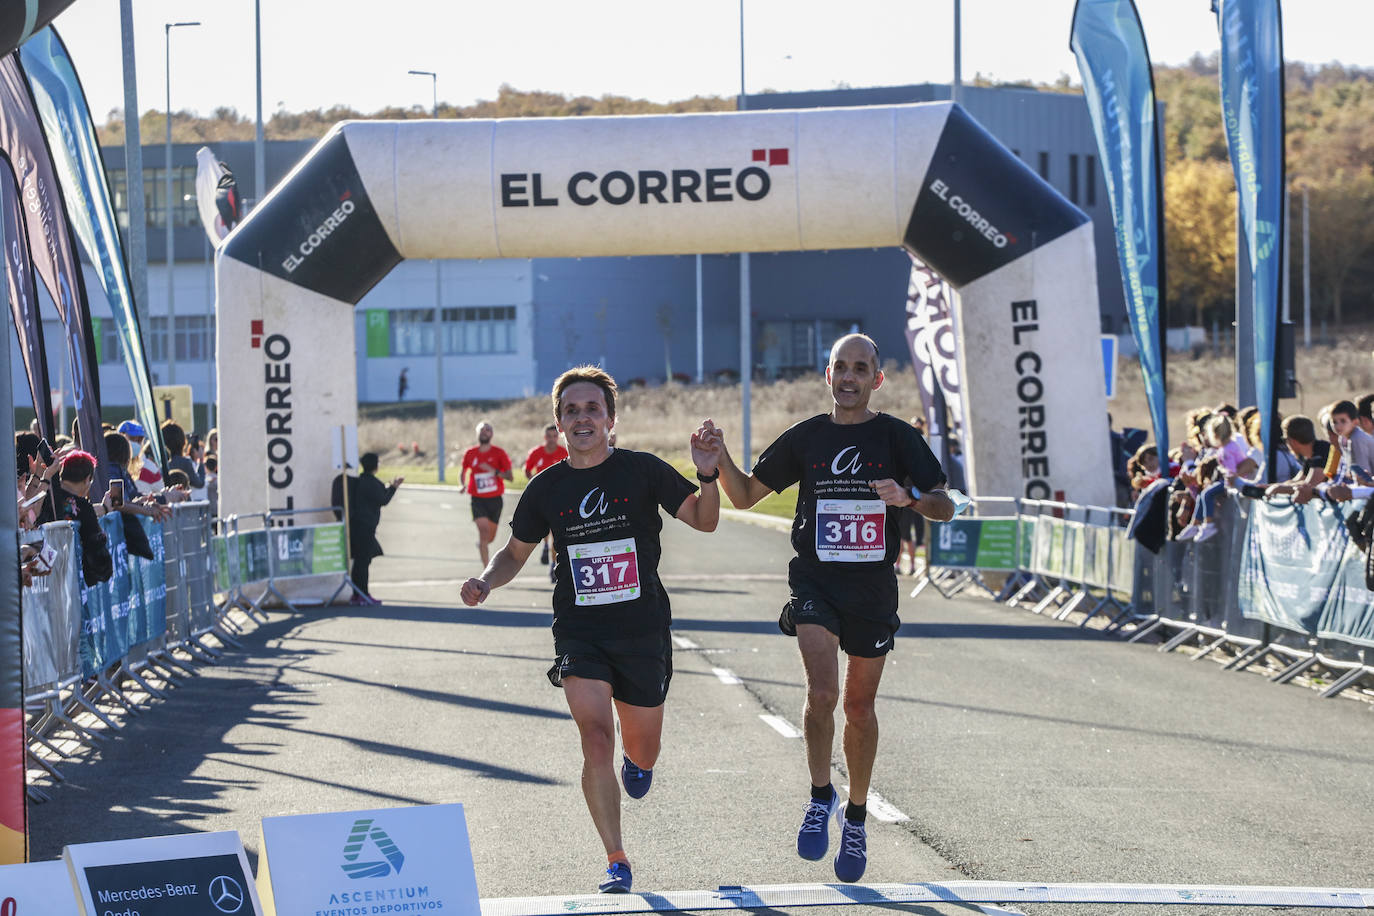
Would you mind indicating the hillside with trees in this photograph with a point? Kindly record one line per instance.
(1330, 137)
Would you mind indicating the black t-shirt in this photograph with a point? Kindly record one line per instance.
(841, 525)
(605, 526)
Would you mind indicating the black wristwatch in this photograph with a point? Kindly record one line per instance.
(712, 479)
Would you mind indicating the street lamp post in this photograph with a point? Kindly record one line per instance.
(259, 144)
(438, 308)
(746, 343)
(171, 339)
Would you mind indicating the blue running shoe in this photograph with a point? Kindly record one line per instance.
(852, 858)
(635, 780)
(618, 879)
(814, 837)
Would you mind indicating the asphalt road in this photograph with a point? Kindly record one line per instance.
(1015, 748)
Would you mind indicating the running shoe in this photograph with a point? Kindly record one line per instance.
(635, 780)
(814, 837)
(357, 599)
(1188, 533)
(852, 858)
(1206, 531)
(618, 879)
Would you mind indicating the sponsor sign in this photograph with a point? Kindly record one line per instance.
(173, 402)
(37, 889)
(975, 543)
(308, 550)
(199, 874)
(383, 862)
(980, 207)
(1118, 86)
(319, 230)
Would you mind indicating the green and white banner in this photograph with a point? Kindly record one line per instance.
(975, 543)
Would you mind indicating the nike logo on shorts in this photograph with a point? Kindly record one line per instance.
(879, 645)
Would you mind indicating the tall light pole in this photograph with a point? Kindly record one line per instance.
(438, 308)
(171, 343)
(133, 171)
(259, 144)
(746, 341)
(957, 90)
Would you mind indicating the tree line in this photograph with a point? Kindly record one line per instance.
(1330, 150)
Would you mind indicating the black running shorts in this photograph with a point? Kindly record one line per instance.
(638, 669)
(861, 611)
(486, 507)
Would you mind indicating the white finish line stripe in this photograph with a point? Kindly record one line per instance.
(882, 809)
(780, 725)
(726, 676)
(682, 642)
(973, 892)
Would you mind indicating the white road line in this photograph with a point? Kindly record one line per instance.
(682, 642)
(726, 676)
(780, 725)
(991, 910)
(445, 505)
(882, 809)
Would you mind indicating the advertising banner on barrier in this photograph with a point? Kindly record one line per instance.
(52, 613)
(197, 874)
(224, 575)
(252, 551)
(974, 543)
(127, 609)
(308, 550)
(1292, 557)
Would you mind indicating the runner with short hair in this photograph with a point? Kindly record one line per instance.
(856, 468)
(545, 455)
(484, 473)
(613, 655)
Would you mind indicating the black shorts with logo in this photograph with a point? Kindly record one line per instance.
(486, 507)
(638, 668)
(860, 609)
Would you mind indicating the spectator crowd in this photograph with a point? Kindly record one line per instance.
(1222, 456)
(54, 483)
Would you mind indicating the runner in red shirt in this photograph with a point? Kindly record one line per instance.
(539, 458)
(485, 471)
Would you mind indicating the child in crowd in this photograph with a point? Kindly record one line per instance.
(1143, 468)
(1228, 460)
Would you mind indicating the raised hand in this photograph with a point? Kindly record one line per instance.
(706, 444)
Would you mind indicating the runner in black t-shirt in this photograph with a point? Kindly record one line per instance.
(611, 613)
(857, 469)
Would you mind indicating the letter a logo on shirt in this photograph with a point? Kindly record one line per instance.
(840, 466)
(598, 508)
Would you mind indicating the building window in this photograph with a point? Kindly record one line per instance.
(481, 329)
(791, 347)
(1091, 178)
(107, 337)
(195, 339)
(1073, 177)
(184, 211)
(412, 332)
(1045, 166)
(484, 329)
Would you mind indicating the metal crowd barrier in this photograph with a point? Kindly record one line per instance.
(1076, 560)
(94, 653)
(251, 563)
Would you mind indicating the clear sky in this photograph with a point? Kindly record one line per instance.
(317, 53)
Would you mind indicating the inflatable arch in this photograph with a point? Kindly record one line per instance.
(925, 176)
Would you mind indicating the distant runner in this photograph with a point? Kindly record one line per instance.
(613, 656)
(485, 471)
(856, 468)
(545, 455)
